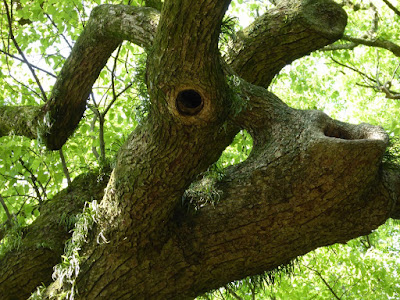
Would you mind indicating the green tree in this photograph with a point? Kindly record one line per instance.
(173, 219)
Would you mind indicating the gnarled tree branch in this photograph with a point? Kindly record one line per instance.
(107, 27)
(272, 207)
(290, 31)
(273, 203)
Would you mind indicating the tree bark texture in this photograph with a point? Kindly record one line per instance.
(309, 181)
(43, 241)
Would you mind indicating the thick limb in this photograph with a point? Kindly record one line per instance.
(291, 30)
(310, 181)
(107, 27)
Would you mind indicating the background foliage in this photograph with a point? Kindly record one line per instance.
(346, 83)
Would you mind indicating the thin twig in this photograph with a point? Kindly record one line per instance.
(113, 71)
(22, 84)
(49, 172)
(23, 204)
(95, 109)
(116, 97)
(21, 195)
(21, 53)
(5, 208)
(58, 31)
(353, 69)
(334, 47)
(33, 179)
(222, 295)
(101, 138)
(232, 292)
(324, 281)
(33, 66)
(64, 166)
(395, 71)
(377, 85)
(388, 45)
(19, 82)
(392, 7)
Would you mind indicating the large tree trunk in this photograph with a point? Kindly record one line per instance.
(310, 181)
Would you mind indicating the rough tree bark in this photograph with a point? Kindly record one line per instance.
(310, 181)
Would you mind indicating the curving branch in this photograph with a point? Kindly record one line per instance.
(105, 30)
(292, 30)
(107, 27)
(384, 44)
(272, 207)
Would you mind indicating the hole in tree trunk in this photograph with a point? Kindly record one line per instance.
(189, 102)
(337, 132)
